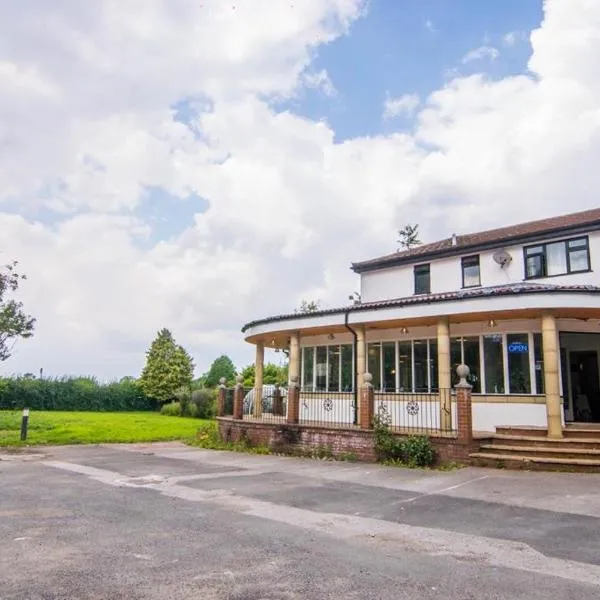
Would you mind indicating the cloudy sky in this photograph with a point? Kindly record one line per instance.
(195, 164)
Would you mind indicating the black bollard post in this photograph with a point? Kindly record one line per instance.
(24, 423)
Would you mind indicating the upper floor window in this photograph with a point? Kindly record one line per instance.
(557, 258)
(471, 276)
(422, 280)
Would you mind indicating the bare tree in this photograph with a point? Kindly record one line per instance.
(408, 237)
(15, 323)
(309, 306)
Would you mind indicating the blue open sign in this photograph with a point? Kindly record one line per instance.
(518, 348)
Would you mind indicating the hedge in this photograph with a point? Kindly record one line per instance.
(72, 393)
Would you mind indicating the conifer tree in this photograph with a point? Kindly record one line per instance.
(169, 368)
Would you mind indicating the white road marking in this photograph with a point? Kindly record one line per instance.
(441, 491)
(435, 542)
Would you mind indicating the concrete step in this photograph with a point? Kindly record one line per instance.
(516, 461)
(592, 432)
(522, 430)
(540, 442)
(553, 451)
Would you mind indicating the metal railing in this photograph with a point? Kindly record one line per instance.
(273, 405)
(228, 404)
(418, 413)
(327, 409)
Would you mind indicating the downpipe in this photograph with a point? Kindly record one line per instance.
(355, 361)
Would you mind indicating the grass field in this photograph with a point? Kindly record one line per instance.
(93, 428)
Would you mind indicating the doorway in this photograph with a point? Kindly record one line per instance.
(584, 385)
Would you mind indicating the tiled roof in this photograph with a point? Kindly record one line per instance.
(492, 236)
(481, 292)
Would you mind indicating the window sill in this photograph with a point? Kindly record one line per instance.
(470, 287)
(537, 278)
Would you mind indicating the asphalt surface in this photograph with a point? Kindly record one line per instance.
(165, 521)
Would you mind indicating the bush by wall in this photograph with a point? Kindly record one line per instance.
(72, 393)
(412, 451)
(205, 401)
(199, 404)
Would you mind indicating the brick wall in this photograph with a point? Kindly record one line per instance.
(294, 438)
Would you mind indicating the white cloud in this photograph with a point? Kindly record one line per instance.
(430, 26)
(405, 104)
(87, 125)
(513, 37)
(320, 81)
(483, 52)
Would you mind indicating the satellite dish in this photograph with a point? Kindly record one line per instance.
(502, 257)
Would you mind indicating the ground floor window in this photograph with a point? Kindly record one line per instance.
(407, 366)
(466, 351)
(493, 361)
(328, 368)
(499, 363)
(519, 373)
(538, 362)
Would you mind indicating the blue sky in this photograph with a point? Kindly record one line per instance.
(409, 46)
(262, 199)
(399, 47)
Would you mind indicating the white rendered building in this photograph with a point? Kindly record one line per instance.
(519, 305)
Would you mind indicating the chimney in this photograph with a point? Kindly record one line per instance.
(453, 239)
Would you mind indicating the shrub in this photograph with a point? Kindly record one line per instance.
(192, 411)
(417, 451)
(183, 396)
(387, 446)
(205, 401)
(413, 451)
(171, 409)
(72, 393)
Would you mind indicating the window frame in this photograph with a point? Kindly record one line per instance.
(542, 254)
(463, 263)
(422, 268)
(312, 388)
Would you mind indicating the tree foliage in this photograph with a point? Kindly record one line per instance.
(309, 306)
(168, 368)
(272, 374)
(221, 367)
(408, 237)
(72, 393)
(14, 322)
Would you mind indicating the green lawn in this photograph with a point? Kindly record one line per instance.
(93, 427)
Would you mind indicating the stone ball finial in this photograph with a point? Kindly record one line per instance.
(222, 381)
(368, 378)
(463, 372)
(239, 379)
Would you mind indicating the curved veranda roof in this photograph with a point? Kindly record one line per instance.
(465, 294)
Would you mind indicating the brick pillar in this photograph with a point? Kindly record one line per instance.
(293, 401)
(238, 399)
(221, 397)
(464, 409)
(367, 403)
(277, 401)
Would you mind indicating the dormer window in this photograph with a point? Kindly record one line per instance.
(557, 258)
(471, 275)
(422, 280)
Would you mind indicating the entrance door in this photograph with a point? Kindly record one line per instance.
(585, 386)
